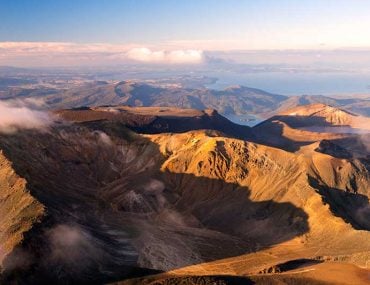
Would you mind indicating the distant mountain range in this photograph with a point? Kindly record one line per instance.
(235, 100)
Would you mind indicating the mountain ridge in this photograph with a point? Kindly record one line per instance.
(155, 201)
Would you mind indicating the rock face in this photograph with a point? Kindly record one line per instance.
(93, 202)
(354, 104)
(19, 210)
(324, 115)
(330, 148)
(293, 129)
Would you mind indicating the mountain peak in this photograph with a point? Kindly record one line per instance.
(332, 115)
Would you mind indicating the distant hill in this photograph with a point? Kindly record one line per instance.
(323, 115)
(322, 124)
(358, 105)
(234, 100)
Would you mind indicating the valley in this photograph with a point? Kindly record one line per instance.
(108, 193)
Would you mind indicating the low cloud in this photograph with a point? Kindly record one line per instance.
(70, 245)
(76, 54)
(104, 138)
(16, 115)
(167, 57)
(18, 259)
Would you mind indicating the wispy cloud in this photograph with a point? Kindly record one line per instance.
(16, 115)
(51, 54)
(162, 56)
(69, 54)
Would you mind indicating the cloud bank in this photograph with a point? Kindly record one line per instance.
(169, 57)
(74, 54)
(16, 115)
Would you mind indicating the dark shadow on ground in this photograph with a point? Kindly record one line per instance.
(271, 133)
(193, 280)
(353, 208)
(297, 121)
(99, 189)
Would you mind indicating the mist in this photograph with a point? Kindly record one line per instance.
(22, 114)
(70, 245)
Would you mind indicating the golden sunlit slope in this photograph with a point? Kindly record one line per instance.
(311, 274)
(332, 192)
(270, 174)
(338, 132)
(19, 210)
(329, 116)
(195, 202)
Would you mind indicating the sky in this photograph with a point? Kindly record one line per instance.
(172, 31)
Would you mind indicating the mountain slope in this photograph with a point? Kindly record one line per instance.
(329, 116)
(156, 119)
(116, 201)
(19, 210)
(305, 125)
(354, 104)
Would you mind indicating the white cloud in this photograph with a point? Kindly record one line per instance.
(75, 54)
(16, 115)
(104, 138)
(169, 57)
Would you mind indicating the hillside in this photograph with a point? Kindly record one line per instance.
(105, 203)
(153, 120)
(354, 104)
(305, 125)
(234, 100)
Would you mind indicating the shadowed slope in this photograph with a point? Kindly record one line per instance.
(154, 120)
(112, 205)
(168, 201)
(305, 125)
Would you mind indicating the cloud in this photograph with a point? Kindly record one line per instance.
(168, 57)
(70, 245)
(15, 115)
(104, 138)
(75, 54)
(18, 259)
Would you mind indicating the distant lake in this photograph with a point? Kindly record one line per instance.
(297, 83)
(245, 120)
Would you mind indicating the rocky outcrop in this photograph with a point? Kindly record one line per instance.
(19, 210)
(112, 201)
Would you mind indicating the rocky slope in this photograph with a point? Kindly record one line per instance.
(153, 120)
(354, 104)
(100, 203)
(19, 210)
(304, 125)
(322, 115)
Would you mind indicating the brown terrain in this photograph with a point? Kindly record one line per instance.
(111, 193)
(152, 120)
(237, 99)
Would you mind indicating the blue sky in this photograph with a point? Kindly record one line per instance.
(262, 24)
(43, 32)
